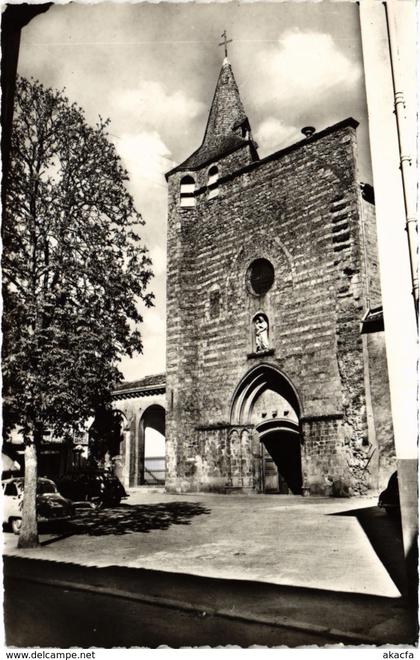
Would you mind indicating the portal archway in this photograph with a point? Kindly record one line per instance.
(267, 400)
(151, 447)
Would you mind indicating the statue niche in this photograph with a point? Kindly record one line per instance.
(261, 332)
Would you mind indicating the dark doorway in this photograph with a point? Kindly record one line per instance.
(282, 456)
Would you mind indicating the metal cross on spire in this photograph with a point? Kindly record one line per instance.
(225, 42)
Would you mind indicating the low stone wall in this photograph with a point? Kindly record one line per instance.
(222, 459)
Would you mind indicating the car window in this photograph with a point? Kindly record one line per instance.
(45, 487)
(10, 489)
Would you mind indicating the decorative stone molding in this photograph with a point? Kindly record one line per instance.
(260, 354)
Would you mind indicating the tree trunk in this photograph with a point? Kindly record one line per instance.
(28, 537)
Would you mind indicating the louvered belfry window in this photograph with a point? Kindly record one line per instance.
(213, 182)
(187, 191)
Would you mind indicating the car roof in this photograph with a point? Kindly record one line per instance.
(21, 480)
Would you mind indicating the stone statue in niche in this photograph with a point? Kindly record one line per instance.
(261, 333)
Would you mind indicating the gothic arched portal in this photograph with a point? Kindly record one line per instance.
(267, 400)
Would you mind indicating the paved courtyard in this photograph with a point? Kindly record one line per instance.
(342, 545)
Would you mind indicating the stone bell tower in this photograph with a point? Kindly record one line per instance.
(271, 270)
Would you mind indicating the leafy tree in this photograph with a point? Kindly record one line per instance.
(105, 435)
(74, 274)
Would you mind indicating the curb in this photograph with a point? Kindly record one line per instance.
(334, 634)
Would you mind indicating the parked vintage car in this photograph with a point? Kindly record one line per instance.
(51, 506)
(98, 488)
(389, 499)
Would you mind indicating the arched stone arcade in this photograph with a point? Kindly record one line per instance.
(142, 454)
(151, 447)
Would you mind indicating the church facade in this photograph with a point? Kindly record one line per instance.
(276, 370)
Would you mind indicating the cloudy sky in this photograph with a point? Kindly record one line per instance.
(152, 69)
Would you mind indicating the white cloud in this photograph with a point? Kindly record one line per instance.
(304, 69)
(274, 134)
(146, 158)
(149, 105)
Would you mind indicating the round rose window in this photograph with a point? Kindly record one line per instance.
(260, 276)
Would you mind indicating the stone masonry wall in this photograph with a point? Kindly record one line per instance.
(372, 260)
(384, 458)
(381, 403)
(223, 460)
(323, 443)
(301, 211)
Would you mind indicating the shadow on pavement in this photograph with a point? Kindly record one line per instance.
(126, 519)
(385, 536)
(387, 620)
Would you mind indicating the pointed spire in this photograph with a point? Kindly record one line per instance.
(227, 112)
(227, 127)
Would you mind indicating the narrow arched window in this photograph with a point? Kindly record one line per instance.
(213, 182)
(214, 303)
(187, 191)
